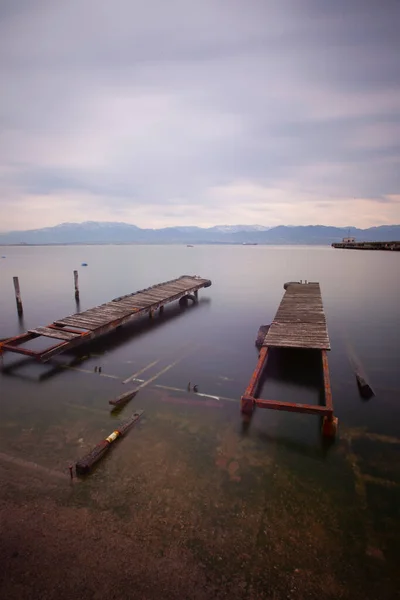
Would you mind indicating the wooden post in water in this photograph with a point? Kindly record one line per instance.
(18, 300)
(76, 285)
(85, 464)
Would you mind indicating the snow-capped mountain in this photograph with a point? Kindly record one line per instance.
(237, 228)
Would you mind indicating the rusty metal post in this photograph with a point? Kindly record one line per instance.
(18, 300)
(76, 283)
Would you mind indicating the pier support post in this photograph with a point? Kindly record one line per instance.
(18, 300)
(161, 309)
(150, 314)
(76, 284)
(196, 294)
(329, 426)
(247, 405)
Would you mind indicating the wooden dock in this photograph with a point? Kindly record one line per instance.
(299, 323)
(82, 327)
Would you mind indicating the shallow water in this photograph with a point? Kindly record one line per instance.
(190, 448)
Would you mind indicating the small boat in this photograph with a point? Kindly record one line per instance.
(189, 245)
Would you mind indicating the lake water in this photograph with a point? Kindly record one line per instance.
(203, 486)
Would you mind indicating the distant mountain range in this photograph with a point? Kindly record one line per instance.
(92, 232)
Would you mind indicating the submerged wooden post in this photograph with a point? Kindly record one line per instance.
(123, 398)
(364, 387)
(85, 464)
(18, 300)
(76, 283)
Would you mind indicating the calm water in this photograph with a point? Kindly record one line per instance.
(360, 293)
(51, 413)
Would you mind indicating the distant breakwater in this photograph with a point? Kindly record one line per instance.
(393, 246)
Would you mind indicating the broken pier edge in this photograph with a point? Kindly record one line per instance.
(329, 424)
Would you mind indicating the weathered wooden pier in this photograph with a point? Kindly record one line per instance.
(299, 323)
(82, 327)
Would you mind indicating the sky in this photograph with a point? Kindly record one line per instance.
(181, 112)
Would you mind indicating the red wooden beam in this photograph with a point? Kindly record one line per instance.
(311, 409)
(19, 350)
(247, 400)
(255, 378)
(18, 339)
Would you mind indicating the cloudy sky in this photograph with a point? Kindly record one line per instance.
(199, 112)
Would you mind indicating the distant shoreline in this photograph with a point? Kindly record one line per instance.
(24, 245)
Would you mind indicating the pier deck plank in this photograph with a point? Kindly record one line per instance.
(53, 333)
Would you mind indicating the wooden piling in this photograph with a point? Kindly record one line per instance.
(18, 300)
(364, 387)
(76, 283)
(262, 332)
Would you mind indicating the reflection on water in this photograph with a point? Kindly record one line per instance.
(192, 475)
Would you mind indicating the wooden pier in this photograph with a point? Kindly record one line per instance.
(82, 327)
(299, 323)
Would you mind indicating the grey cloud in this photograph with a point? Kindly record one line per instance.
(149, 102)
